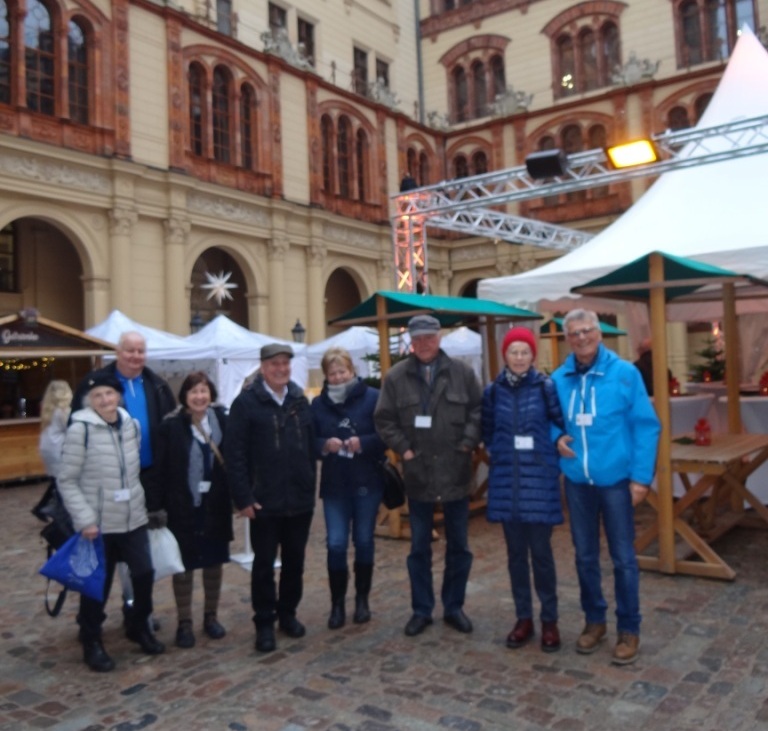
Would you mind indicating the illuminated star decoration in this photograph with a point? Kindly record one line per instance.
(219, 285)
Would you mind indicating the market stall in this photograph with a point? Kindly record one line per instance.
(33, 351)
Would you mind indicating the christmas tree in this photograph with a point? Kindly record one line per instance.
(712, 367)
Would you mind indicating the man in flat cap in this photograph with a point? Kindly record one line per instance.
(271, 471)
(429, 414)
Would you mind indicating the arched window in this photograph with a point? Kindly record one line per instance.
(410, 160)
(598, 140)
(566, 66)
(677, 118)
(461, 110)
(572, 142)
(326, 133)
(39, 59)
(423, 168)
(460, 167)
(588, 79)
(248, 140)
(611, 51)
(480, 91)
(700, 105)
(344, 157)
(77, 55)
(706, 30)
(498, 76)
(715, 31)
(222, 115)
(479, 163)
(5, 55)
(197, 121)
(361, 150)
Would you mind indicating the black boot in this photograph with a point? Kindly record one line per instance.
(139, 630)
(338, 582)
(363, 575)
(96, 658)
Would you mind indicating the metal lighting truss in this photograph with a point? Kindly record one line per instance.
(463, 205)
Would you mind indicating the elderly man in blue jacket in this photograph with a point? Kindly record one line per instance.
(608, 459)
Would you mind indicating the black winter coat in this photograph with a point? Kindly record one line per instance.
(270, 451)
(169, 487)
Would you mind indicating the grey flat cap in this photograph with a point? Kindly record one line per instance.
(273, 349)
(423, 325)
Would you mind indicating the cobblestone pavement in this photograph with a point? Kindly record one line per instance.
(703, 663)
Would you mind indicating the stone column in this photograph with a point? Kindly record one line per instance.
(177, 314)
(96, 299)
(444, 277)
(316, 254)
(276, 251)
(677, 350)
(121, 223)
(385, 273)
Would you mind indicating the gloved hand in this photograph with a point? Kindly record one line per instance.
(157, 519)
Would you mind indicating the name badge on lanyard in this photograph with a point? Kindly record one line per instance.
(123, 495)
(423, 422)
(583, 419)
(523, 442)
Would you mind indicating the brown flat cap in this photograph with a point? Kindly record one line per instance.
(272, 349)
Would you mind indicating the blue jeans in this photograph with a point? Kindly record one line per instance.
(534, 539)
(356, 511)
(587, 504)
(458, 558)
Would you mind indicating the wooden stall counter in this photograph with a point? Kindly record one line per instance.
(19, 456)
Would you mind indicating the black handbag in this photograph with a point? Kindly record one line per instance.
(394, 486)
(57, 531)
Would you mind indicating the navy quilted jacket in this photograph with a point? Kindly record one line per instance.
(523, 484)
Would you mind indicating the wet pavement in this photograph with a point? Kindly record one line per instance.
(703, 663)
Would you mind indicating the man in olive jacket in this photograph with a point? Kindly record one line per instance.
(429, 413)
(269, 454)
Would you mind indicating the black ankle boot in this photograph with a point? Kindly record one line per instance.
(338, 616)
(363, 579)
(142, 635)
(362, 612)
(96, 658)
(338, 583)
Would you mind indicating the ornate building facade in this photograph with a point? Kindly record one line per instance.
(147, 144)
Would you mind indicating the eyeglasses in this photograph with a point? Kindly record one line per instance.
(582, 331)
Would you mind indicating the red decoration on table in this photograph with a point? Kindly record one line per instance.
(764, 384)
(674, 387)
(703, 433)
(706, 376)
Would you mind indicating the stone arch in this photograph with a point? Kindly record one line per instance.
(339, 295)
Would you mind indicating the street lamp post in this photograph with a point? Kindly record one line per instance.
(298, 331)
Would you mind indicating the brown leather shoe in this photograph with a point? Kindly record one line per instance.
(626, 650)
(520, 634)
(591, 637)
(550, 637)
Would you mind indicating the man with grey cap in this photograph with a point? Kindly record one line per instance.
(429, 413)
(271, 471)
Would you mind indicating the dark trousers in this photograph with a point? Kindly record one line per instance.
(289, 533)
(131, 548)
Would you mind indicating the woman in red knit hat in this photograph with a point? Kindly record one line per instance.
(522, 421)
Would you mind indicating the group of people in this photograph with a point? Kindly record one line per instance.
(150, 463)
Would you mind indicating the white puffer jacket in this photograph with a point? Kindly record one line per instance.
(97, 462)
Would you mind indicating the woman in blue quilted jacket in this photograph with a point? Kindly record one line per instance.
(521, 421)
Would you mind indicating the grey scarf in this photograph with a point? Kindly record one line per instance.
(196, 470)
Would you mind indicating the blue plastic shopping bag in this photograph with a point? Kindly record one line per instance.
(79, 565)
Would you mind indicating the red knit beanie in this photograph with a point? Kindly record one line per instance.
(518, 334)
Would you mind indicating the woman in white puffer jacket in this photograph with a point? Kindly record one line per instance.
(99, 484)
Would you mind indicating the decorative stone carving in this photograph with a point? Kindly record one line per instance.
(350, 237)
(176, 230)
(511, 102)
(468, 253)
(438, 120)
(278, 44)
(54, 173)
(316, 254)
(381, 93)
(277, 248)
(635, 70)
(122, 221)
(230, 210)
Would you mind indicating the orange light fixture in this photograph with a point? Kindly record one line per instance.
(641, 152)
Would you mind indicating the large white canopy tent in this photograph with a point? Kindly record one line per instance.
(224, 350)
(712, 213)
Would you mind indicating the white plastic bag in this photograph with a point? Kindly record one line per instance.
(166, 556)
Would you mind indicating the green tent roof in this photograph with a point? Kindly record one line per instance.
(401, 306)
(605, 328)
(681, 277)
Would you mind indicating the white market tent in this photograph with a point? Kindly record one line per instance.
(227, 352)
(712, 213)
(357, 340)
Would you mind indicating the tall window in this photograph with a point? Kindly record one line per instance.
(326, 133)
(382, 72)
(5, 55)
(707, 30)
(479, 90)
(572, 142)
(224, 17)
(39, 59)
(588, 53)
(361, 162)
(77, 52)
(460, 94)
(197, 122)
(360, 71)
(497, 76)
(344, 157)
(307, 40)
(423, 168)
(8, 259)
(460, 167)
(567, 66)
(677, 118)
(248, 126)
(221, 115)
(479, 163)
(278, 18)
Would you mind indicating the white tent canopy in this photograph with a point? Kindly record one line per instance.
(224, 350)
(712, 213)
(357, 341)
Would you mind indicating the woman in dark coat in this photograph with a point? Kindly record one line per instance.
(351, 483)
(521, 421)
(191, 488)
